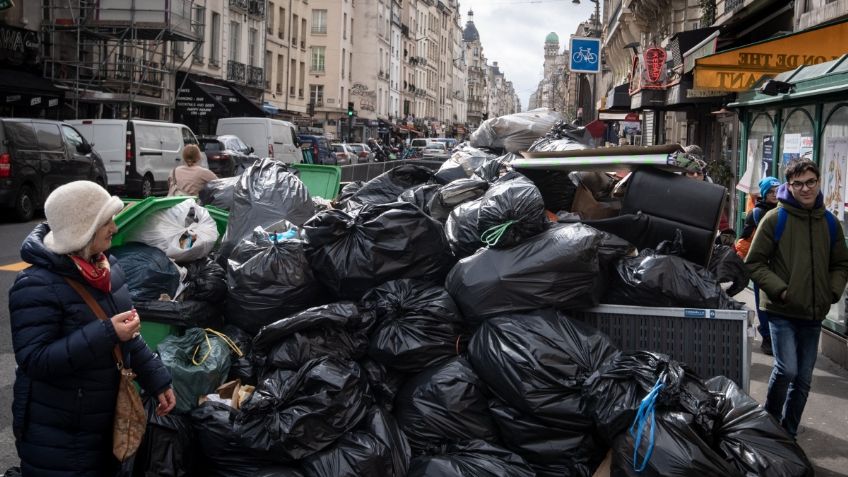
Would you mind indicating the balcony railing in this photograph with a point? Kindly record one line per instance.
(242, 4)
(236, 71)
(319, 30)
(257, 8)
(255, 76)
(731, 5)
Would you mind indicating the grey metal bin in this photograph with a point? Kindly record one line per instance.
(711, 342)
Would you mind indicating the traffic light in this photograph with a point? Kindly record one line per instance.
(350, 109)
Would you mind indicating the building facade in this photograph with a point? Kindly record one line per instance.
(477, 80)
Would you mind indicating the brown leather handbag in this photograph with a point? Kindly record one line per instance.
(130, 419)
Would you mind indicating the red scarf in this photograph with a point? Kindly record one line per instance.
(97, 274)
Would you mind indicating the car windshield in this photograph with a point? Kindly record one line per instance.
(438, 146)
(338, 148)
(356, 148)
(211, 146)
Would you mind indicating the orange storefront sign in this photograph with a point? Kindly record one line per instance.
(740, 68)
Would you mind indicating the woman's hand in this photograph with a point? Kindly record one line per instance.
(167, 401)
(127, 325)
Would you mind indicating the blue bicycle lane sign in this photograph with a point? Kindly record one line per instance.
(585, 55)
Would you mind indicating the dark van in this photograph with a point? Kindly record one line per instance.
(37, 156)
(320, 147)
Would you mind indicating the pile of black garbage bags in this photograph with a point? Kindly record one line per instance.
(421, 327)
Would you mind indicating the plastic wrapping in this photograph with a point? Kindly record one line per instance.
(241, 368)
(265, 194)
(168, 446)
(451, 171)
(185, 232)
(383, 382)
(148, 271)
(515, 132)
(268, 280)
(461, 229)
(444, 404)
(420, 196)
(470, 459)
(536, 362)
(454, 194)
(558, 268)
(386, 187)
(183, 313)
(294, 414)
(337, 330)
(751, 438)
(206, 281)
(351, 254)
(562, 136)
(418, 326)
(190, 380)
(726, 266)
(513, 206)
(219, 193)
(491, 168)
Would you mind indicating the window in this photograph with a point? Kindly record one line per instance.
(199, 24)
(251, 47)
(318, 58)
(344, 58)
(797, 139)
(295, 23)
(269, 21)
(21, 135)
(281, 72)
(281, 32)
(73, 137)
(351, 31)
(316, 94)
(344, 26)
(319, 21)
(267, 69)
(48, 136)
(179, 49)
(215, 41)
(834, 161)
(188, 136)
(235, 40)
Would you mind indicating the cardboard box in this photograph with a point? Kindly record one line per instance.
(588, 208)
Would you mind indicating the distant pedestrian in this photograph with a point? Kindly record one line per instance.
(799, 260)
(190, 178)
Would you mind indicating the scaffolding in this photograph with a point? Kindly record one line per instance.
(119, 54)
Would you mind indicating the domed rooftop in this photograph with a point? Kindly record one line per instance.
(470, 33)
(552, 38)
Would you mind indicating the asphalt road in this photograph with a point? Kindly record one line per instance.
(11, 236)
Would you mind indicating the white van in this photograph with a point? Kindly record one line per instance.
(138, 155)
(268, 137)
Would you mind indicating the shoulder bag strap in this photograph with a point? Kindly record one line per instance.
(98, 312)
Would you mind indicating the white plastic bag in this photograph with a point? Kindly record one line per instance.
(515, 132)
(185, 232)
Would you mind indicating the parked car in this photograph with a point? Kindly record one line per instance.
(227, 155)
(344, 154)
(436, 150)
(320, 147)
(421, 143)
(449, 142)
(363, 152)
(138, 155)
(268, 137)
(37, 156)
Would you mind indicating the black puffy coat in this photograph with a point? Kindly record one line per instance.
(66, 380)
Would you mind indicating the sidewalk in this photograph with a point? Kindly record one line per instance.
(823, 433)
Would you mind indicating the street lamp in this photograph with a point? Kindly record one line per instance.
(597, 15)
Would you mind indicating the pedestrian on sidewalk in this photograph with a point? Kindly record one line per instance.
(799, 260)
(767, 201)
(190, 178)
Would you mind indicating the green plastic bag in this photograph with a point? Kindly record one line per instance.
(199, 362)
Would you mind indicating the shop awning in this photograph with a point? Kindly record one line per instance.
(198, 98)
(19, 88)
(738, 69)
(618, 99)
(824, 79)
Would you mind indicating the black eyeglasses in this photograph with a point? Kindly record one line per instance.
(809, 183)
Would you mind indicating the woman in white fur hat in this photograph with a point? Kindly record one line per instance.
(66, 380)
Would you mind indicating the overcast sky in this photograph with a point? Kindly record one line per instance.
(513, 34)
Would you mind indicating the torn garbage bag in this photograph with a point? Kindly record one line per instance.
(219, 193)
(351, 254)
(726, 266)
(420, 196)
(470, 459)
(376, 448)
(444, 404)
(511, 212)
(148, 271)
(294, 414)
(454, 194)
(185, 232)
(268, 280)
(418, 325)
(337, 330)
(558, 268)
(537, 361)
(386, 187)
(751, 438)
(461, 229)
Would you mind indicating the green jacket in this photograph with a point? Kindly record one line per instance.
(804, 264)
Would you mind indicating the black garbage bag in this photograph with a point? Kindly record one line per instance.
(470, 459)
(450, 171)
(351, 254)
(267, 193)
(537, 361)
(168, 446)
(419, 325)
(206, 280)
(279, 471)
(268, 280)
(386, 187)
(556, 187)
(613, 394)
(223, 455)
(560, 268)
(420, 196)
(185, 313)
(511, 212)
(383, 382)
(241, 367)
(337, 330)
(148, 271)
(347, 191)
(199, 362)
(454, 194)
(444, 404)
(653, 279)
(294, 414)
(461, 229)
(751, 438)
(676, 450)
(491, 168)
(219, 193)
(377, 448)
(726, 266)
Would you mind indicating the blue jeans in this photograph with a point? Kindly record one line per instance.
(762, 315)
(796, 346)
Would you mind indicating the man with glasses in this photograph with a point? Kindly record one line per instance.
(799, 260)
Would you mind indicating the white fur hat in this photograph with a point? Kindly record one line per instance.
(74, 212)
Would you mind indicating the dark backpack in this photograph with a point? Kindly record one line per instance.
(782, 216)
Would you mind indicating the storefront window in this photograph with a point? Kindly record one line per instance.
(797, 138)
(834, 168)
(761, 143)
